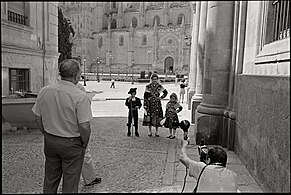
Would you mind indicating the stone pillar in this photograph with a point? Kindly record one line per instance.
(193, 57)
(197, 97)
(210, 112)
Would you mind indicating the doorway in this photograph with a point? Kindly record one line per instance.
(168, 65)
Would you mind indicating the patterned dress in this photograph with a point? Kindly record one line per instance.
(153, 105)
(172, 121)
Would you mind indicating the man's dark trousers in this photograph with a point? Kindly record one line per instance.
(64, 156)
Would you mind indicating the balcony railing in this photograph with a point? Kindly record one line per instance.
(17, 18)
(281, 26)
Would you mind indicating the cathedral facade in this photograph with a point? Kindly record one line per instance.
(132, 36)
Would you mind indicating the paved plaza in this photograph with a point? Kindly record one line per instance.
(125, 164)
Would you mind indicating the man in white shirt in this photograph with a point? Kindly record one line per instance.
(214, 176)
(63, 113)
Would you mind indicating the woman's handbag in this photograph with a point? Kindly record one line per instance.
(146, 118)
(162, 122)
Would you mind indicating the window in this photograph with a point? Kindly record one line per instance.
(278, 21)
(113, 24)
(156, 20)
(100, 42)
(18, 80)
(121, 41)
(144, 40)
(134, 22)
(81, 25)
(17, 12)
(114, 5)
(180, 18)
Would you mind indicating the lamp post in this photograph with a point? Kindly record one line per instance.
(132, 63)
(84, 71)
(149, 52)
(98, 61)
(110, 57)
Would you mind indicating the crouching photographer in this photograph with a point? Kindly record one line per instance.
(212, 176)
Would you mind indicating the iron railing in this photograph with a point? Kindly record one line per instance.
(17, 18)
(281, 27)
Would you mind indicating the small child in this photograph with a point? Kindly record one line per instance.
(172, 121)
(133, 103)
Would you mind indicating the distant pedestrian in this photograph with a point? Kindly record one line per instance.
(133, 103)
(88, 171)
(152, 104)
(172, 120)
(112, 83)
(182, 90)
(176, 80)
(63, 113)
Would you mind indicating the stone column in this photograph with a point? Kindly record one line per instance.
(197, 97)
(193, 57)
(219, 28)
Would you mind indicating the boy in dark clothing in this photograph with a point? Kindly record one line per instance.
(133, 103)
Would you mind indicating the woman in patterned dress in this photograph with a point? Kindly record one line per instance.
(152, 104)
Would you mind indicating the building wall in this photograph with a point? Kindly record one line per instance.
(23, 46)
(262, 104)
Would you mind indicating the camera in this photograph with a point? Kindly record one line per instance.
(203, 152)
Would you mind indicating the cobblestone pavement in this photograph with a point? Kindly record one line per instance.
(125, 164)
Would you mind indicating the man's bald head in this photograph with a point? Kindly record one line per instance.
(69, 68)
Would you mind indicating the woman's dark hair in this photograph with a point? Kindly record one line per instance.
(69, 68)
(217, 155)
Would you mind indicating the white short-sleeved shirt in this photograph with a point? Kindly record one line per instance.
(62, 107)
(215, 178)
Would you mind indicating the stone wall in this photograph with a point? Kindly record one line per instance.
(262, 135)
(23, 47)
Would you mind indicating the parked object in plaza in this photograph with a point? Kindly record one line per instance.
(152, 104)
(172, 120)
(63, 113)
(133, 103)
(213, 176)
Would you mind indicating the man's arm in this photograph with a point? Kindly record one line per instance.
(39, 124)
(85, 132)
(183, 156)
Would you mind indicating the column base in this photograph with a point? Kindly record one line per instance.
(210, 124)
(195, 101)
(189, 98)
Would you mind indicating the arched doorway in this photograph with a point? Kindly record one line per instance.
(169, 64)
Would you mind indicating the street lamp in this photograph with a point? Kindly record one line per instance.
(149, 52)
(132, 63)
(84, 71)
(110, 57)
(98, 61)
